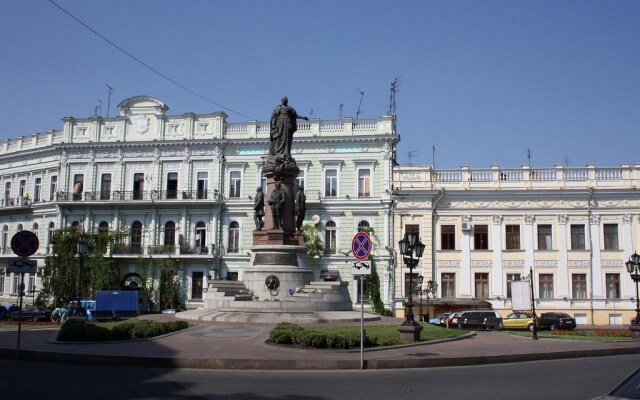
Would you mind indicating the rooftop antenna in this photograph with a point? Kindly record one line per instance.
(410, 156)
(340, 108)
(359, 105)
(529, 156)
(311, 113)
(566, 161)
(433, 156)
(392, 95)
(109, 92)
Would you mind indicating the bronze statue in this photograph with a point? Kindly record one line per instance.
(276, 201)
(301, 207)
(258, 208)
(283, 125)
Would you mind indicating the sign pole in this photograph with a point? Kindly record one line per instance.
(361, 321)
(361, 247)
(20, 295)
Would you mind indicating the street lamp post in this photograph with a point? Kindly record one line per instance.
(82, 250)
(633, 267)
(420, 280)
(410, 329)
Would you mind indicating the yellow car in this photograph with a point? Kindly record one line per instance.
(518, 320)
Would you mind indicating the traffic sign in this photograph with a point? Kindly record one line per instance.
(19, 265)
(361, 245)
(24, 243)
(361, 268)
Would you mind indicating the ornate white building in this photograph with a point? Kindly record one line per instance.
(574, 227)
(182, 187)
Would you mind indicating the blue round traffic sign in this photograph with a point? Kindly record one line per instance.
(25, 243)
(361, 245)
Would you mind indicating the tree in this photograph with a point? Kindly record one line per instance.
(313, 242)
(65, 273)
(169, 286)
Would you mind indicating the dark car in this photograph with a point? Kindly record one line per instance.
(33, 313)
(480, 319)
(556, 320)
(627, 389)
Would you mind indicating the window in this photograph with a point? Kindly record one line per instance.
(364, 183)
(544, 237)
(2, 274)
(138, 186)
(7, 192)
(170, 234)
(482, 285)
(103, 227)
(52, 227)
(330, 237)
(197, 279)
(412, 228)
(410, 280)
(481, 237)
(448, 237)
(105, 187)
(78, 184)
(36, 230)
(23, 188)
(613, 286)
(136, 234)
(448, 285)
(512, 237)
(511, 278)
(331, 183)
(172, 185)
(202, 185)
(610, 236)
(362, 294)
(16, 284)
(577, 237)
(5, 239)
(201, 237)
(363, 226)
(579, 286)
(37, 189)
(235, 183)
(545, 286)
(53, 187)
(234, 238)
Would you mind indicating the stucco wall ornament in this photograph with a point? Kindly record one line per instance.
(142, 124)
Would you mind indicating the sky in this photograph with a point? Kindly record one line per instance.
(483, 83)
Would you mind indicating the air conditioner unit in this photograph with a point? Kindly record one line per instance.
(466, 226)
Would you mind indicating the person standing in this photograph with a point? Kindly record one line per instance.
(284, 123)
(276, 201)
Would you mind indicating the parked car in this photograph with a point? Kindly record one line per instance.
(518, 320)
(556, 320)
(34, 313)
(480, 319)
(439, 320)
(629, 388)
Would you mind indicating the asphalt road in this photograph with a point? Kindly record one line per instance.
(583, 378)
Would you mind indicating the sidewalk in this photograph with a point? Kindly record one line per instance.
(220, 345)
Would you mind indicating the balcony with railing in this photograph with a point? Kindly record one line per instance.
(138, 195)
(426, 178)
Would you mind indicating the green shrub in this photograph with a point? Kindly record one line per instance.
(126, 330)
(284, 333)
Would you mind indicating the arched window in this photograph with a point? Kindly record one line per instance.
(5, 239)
(34, 229)
(103, 227)
(201, 237)
(234, 238)
(170, 233)
(363, 225)
(19, 228)
(330, 237)
(136, 234)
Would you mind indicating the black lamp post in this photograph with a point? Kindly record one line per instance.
(408, 246)
(420, 280)
(633, 267)
(82, 250)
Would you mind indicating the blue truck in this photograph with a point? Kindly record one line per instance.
(113, 305)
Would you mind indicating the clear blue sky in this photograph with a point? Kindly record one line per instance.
(483, 81)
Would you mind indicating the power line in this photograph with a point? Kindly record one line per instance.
(147, 65)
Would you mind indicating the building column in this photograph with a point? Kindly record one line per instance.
(562, 271)
(596, 261)
(627, 286)
(496, 248)
(528, 243)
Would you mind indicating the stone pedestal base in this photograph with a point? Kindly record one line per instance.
(410, 333)
(635, 332)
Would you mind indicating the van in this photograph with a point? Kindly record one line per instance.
(480, 319)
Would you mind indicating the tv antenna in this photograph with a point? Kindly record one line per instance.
(340, 109)
(359, 105)
(311, 113)
(98, 109)
(410, 156)
(392, 95)
(109, 92)
(529, 156)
